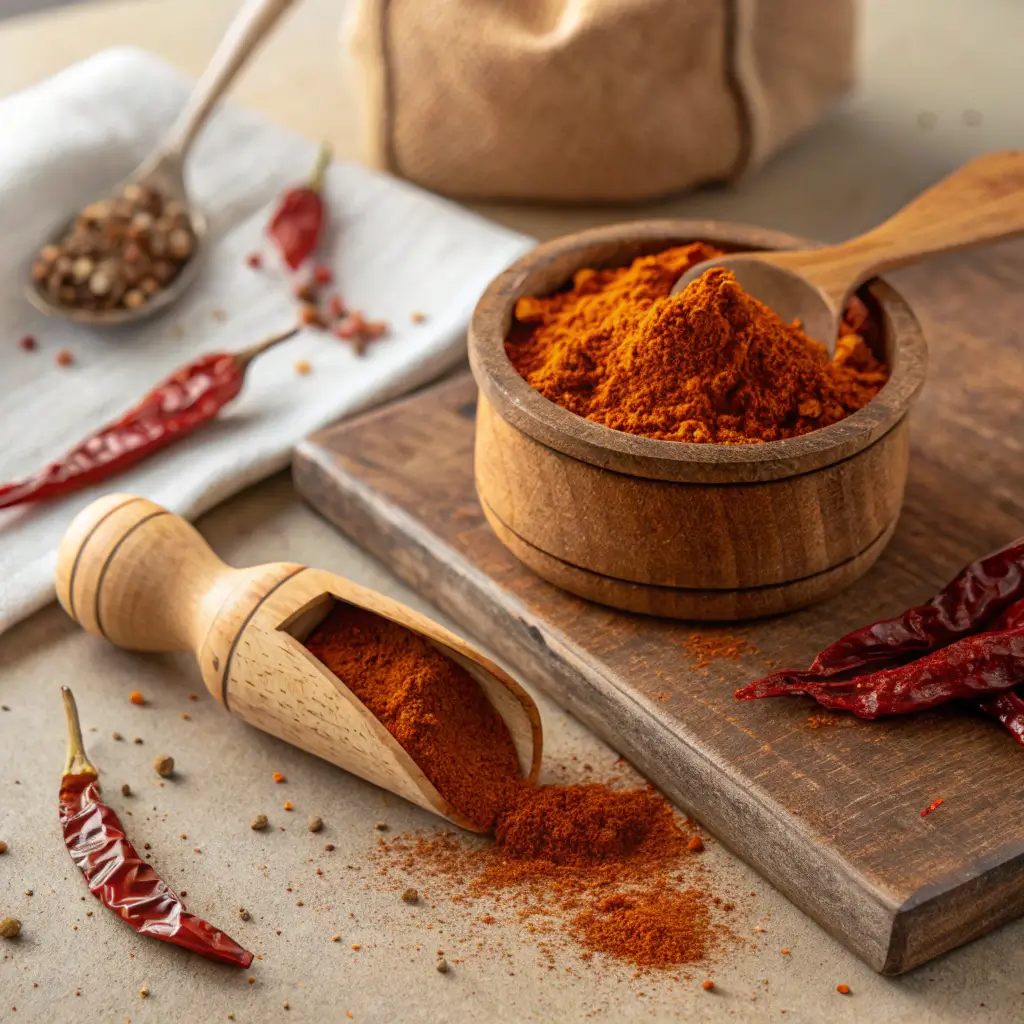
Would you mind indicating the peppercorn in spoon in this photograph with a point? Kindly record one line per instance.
(135, 251)
(981, 202)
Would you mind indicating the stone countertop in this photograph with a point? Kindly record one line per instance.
(924, 66)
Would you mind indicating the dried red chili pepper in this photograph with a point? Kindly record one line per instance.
(967, 641)
(976, 665)
(299, 218)
(979, 594)
(122, 881)
(1007, 708)
(186, 400)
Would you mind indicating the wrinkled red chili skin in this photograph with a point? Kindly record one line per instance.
(970, 668)
(125, 884)
(190, 397)
(966, 642)
(977, 596)
(296, 225)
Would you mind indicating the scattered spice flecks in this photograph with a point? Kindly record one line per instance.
(289, 806)
(278, 777)
(303, 367)
(708, 985)
(843, 990)
(703, 648)
(28, 343)
(830, 721)
(136, 697)
(64, 357)
(931, 807)
(254, 260)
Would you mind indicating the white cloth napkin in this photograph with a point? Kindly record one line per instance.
(395, 250)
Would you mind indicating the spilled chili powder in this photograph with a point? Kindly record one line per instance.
(710, 364)
(703, 648)
(588, 862)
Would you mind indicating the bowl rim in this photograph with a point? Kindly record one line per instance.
(635, 455)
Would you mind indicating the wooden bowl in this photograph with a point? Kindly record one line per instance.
(689, 531)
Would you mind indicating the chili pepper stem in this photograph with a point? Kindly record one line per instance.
(247, 355)
(77, 763)
(323, 159)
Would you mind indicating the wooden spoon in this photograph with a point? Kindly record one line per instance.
(142, 578)
(981, 202)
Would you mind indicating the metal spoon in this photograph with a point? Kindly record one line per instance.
(981, 202)
(163, 170)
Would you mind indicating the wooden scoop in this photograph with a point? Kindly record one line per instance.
(130, 571)
(981, 202)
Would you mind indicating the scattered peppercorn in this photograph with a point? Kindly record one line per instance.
(328, 847)
(843, 989)
(64, 357)
(380, 826)
(10, 928)
(315, 823)
(163, 764)
(126, 790)
(144, 992)
(410, 896)
(136, 697)
(29, 892)
(186, 716)
(335, 938)
(252, 980)
(285, 1005)
(244, 914)
(255, 260)
(356, 945)
(3, 847)
(303, 367)
(137, 739)
(299, 903)
(442, 966)
(116, 736)
(258, 822)
(417, 318)
(785, 952)
(278, 777)
(288, 806)
(695, 844)
(28, 343)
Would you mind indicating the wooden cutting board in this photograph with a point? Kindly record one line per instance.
(829, 813)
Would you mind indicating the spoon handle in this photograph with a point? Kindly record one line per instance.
(246, 32)
(981, 202)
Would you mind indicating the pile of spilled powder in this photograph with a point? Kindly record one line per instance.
(613, 870)
(710, 364)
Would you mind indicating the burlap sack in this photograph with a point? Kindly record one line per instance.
(583, 100)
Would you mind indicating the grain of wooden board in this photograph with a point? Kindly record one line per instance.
(831, 814)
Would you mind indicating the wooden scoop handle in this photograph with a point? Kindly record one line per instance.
(130, 571)
(983, 201)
